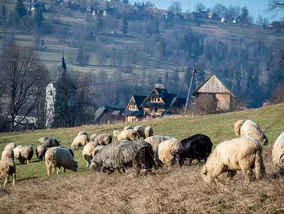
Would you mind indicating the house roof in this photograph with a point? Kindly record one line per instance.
(99, 112)
(212, 85)
(139, 99)
(115, 113)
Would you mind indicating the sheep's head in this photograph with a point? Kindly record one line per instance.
(206, 176)
(75, 166)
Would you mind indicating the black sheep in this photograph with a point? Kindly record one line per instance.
(198, 147)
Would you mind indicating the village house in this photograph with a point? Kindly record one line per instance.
(212, 96)
(158, 103)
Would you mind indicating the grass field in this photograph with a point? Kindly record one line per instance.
(169, 190)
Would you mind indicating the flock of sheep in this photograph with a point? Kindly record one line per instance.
(139, 148)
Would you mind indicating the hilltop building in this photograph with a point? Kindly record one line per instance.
(212, 96)
(157, 104)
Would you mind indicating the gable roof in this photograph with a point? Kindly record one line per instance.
(212, 85)
(99, 112)
(135, 100)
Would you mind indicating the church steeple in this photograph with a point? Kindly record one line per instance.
(61, 70)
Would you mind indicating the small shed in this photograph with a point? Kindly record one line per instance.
(212, 96)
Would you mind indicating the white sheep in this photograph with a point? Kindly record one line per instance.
(149, 131)
(237, 127)
(40, 151)
(79, 141)
(129, 134)
(10, 146)
(92, 137)
(250, 129)
(156, 140)
(166, 152)
(57, 157)
(278, 152)
(236, 154)
(7, 168)
(141, 131)
(25, 154)
(8, 153)
(17, 152)
(87, 152)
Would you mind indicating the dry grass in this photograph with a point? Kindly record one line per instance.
(169, 190)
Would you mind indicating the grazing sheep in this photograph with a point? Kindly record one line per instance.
(43, 140)
(40, 151)
(237, 127)
(70, 150)
(149, 131)
(198, 147)
(52, 142)
(127, 128)
(82, 133)
(129, 134)
(103, 139)
(8, 153)
(10, 146)
(25, 154)
(166, 152)
(278, 152)
(59, 157)
(87, 152)
(236, 154)
(144, 159)
(92, 137)
(17, 152)
(250, 129)
(79, 141)
(115, 156)
(156, 140)
(7, 168)
(141, 131)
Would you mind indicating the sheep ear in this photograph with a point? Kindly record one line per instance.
(204, 170)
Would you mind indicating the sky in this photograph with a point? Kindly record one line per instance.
(255, 7)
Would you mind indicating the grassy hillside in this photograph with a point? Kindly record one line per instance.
(169, 190)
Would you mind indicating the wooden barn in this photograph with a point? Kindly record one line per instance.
(212, 96)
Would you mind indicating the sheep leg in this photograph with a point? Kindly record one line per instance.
(64, 169)
(5, 181)
(57, 172)
(248, 175)
(14, 179)
(28, 161)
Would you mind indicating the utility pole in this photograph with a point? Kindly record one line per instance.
(194, 75)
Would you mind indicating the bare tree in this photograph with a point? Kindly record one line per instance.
(23, 73)
(175, 7)
(275, 6)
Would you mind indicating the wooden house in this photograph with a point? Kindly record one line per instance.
(133, 112)
(212, 96)
(158, 103)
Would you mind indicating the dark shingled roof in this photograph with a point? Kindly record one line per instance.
(139, 99)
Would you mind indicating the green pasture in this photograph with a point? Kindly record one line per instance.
(219, 127)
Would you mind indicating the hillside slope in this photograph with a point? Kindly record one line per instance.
(168, 190)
